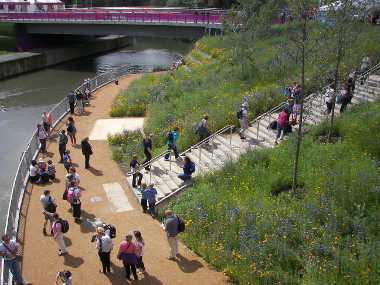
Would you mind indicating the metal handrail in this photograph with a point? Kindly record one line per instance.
(258, 119)
(21, 178)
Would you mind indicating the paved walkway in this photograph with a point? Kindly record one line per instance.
(106, 197)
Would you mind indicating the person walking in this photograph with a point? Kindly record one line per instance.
(135, 167)
(329, 97)
(86, 151)
(172, 138)
(48, 207)
(366, 65)
(8, 250)
(203, 128)
(129, 253)
(152, 192)
(71, 130)
(58, 234)
(42, 136)
(62, 142)
(104, 246)
(243, 120)
(282, 123)
(71, 98)
(148, 146)
(73, 197)
(171, 228)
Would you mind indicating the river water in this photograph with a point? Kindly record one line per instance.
(23, 98)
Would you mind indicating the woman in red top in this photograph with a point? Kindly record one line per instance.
(282, 122)
(129, 253)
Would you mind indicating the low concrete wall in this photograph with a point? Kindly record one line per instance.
(13, 64)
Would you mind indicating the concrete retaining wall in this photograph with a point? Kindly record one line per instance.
(13, 64)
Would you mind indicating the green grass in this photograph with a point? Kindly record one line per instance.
(244, 221)
(7, 39)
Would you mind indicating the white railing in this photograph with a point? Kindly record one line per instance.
(31, 152)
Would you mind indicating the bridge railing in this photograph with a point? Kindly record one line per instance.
(22, 174)
(212, 18)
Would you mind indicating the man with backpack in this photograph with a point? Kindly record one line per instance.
(58, 231)
(48, 206)
(171, 228)
(172, 138)
(147, 146)
(242, 116)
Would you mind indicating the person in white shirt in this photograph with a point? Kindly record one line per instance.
(104, 246)
(8, 250)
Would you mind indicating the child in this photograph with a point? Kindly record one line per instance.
(51, 170)
(144, 197)
(41, 164)
(67, 160)
(140, 245)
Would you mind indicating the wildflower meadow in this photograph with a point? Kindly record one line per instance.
(245, 221)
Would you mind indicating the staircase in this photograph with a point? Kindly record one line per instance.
(225, 146)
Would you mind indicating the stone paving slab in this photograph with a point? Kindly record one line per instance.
(105, 127)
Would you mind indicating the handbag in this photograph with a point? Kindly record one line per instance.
(64, 196)
(70, 129)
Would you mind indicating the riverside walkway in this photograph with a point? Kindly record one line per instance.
(99, 183)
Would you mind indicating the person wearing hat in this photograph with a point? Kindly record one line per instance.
(104, 246)
(41, 163)
(243, 120)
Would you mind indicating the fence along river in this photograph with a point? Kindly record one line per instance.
(23, 98)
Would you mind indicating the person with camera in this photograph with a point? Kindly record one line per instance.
(8, 250)
(104, 246)
(65, 277)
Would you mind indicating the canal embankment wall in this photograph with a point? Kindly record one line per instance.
(17, 63)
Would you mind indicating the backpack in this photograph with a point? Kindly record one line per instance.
(50, 207)
(273, 125)
(112, 230)
(239, 114)
(78, 96)
(71, 197)
(169, 136)
(64, 226)
(192, 168)
(181, 224)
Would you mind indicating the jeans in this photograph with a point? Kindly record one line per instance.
(144, 204)
(14, 266)
(137, 174)
(174, 148)
(152, 208)
(105, 258)
(279, 129)
(72, 104)
(184, 176)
